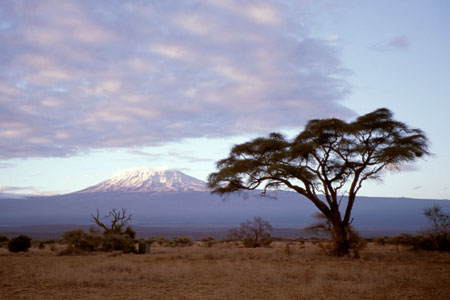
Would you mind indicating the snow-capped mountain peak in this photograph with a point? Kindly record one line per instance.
(148, 180)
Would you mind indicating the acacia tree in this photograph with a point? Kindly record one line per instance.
(329, 157)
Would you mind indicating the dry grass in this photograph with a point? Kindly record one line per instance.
(227, 273)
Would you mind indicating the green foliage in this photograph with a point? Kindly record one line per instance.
(20, 243)
(330, 157)
(252, 234)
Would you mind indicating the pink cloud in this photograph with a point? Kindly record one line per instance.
(83, 75)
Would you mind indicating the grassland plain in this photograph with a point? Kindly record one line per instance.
(227, 272)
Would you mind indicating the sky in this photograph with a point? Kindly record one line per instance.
(88, 88)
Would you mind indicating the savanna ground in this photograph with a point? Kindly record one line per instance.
(227, 272)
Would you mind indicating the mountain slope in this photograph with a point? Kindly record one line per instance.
(145, 180)
(372, 216)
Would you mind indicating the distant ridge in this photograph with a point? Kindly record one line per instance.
(145, 180)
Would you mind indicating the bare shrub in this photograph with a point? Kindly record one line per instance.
(253, 234)
(116, 234)
(439, 231)
(117, 220)
(436, 237)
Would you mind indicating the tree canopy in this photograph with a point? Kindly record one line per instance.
(330, 157)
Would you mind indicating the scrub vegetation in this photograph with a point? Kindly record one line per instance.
(295, 269)
(400, 267)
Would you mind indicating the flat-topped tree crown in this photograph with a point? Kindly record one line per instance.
(330, 157)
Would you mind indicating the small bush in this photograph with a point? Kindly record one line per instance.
(71, 251)
(165, 242)
(3, 241)
(436, 237)
(19, 243)
(130, 232)
(150, 240)
(182, 242)
(381, 241)
(175, 242)
(79, 239)
(93, 241)
(41, 245)
(118, 242)
(430, 243)
(356, 242)
(208, 241)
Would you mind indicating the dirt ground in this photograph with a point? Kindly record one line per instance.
(226, 272)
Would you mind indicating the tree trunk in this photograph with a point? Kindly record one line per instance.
(340, 239)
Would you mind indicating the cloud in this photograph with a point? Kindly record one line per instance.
(5, 165)
(10, 189)
(170, 154)
(393, 43)
(7, 191)
(84, 75)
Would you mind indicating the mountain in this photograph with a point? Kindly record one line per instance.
(171, 199)
(146, 180)
(11, 196)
